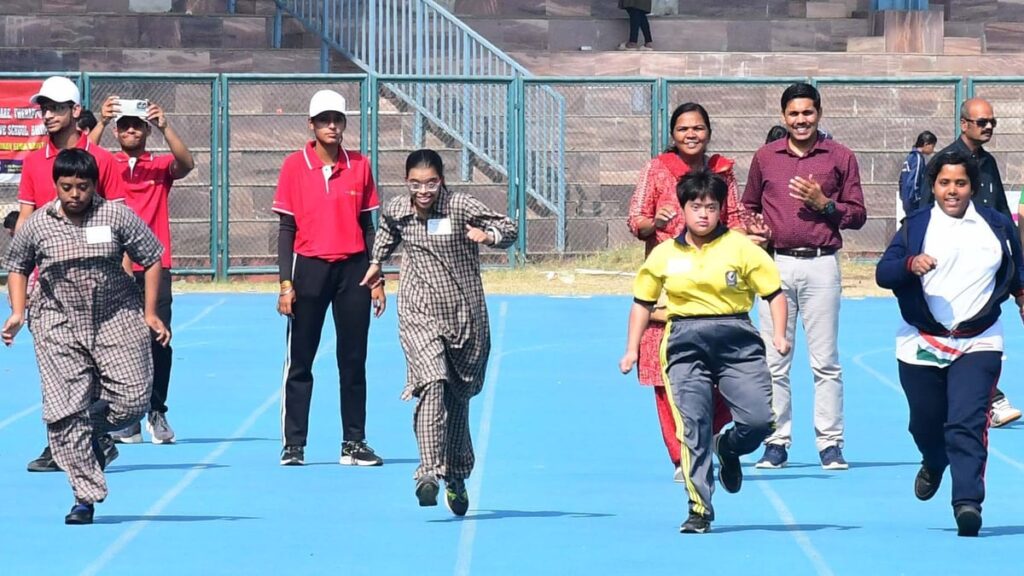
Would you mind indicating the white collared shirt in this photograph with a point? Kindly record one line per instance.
(967, 256)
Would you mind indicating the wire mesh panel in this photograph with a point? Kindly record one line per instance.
(188, 103)
(880, 121)
(607, 142)
(268, 119)
(467, 123)
(1007, 144)
(741, 115)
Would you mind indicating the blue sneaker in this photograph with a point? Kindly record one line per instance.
(775, 456)
(832, 459)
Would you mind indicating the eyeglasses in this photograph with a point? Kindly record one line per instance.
(54, 107)
(429, 185)
(981, 122)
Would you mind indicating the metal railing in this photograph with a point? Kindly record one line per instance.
(421, 38)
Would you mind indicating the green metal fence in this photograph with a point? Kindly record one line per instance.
(241, 127)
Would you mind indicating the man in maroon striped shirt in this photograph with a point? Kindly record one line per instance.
(807, 189)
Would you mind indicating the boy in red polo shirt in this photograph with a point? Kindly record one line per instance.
(145, 182)
(325, 199)
(60, 104)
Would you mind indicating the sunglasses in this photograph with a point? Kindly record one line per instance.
(981, 122)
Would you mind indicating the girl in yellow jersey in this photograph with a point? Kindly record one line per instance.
(710, 276)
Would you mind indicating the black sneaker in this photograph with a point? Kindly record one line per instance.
(730, 473)
(293, 456)
(696, 524)
(80, 514)
(358, 453)
(44, 463)
(926, 484)
(105, 450)
(456, 497)
(968, 520)
(426, 490)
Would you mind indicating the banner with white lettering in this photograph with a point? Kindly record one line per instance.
(21, 126)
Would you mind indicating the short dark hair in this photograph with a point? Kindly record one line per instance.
(955, 158)
(701, 184)
(77, 163)
(11, 219)
(86, 120)
(801, 90)
(925, 138)
(776, 133)
(425, 158)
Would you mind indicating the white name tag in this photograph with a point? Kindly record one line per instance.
(678, 266)
(439, 226)
(98, 235)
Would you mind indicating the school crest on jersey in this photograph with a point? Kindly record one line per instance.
(731, 279)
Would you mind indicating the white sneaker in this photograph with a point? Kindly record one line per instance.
(1003, 413)
(678, 476)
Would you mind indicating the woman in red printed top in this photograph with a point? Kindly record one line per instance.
(655, 216)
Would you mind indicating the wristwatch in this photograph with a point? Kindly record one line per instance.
(829, 209)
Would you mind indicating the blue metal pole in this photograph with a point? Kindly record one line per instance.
(231, 6)
(278, 23)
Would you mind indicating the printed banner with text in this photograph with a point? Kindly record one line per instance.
(21, 126)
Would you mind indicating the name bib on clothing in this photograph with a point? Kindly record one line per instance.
(439, 226)
(678, 266)
(98, 235)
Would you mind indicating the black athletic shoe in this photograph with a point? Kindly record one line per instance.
(293, 456)
(105, 450)
(926, 484)
(44, 463)
(358, 453)
(426, 491)
(456, 497)
(696, 524)
(968, 520)
(80, 514)
(730, 473)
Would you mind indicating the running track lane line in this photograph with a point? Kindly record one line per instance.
(468, 533)
(202, 314)
(883, 379)
(821, 566)
(15, 417)
(128, 535)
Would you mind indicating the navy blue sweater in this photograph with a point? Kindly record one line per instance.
(893, 272)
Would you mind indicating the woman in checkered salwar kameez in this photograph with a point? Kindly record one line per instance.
(91, 329)
(442, 316)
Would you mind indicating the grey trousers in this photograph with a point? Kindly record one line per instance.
(703, 353)
(813, 288)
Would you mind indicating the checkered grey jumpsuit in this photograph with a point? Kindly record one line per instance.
(86, 319)
(442, 319)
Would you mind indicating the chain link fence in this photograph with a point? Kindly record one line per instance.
(571, 196)
(880, 120)
(607, 141)
(469, 126)
(188, 103)
(267, 118)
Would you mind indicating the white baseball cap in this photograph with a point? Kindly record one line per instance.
(326, 101)
(58, 89)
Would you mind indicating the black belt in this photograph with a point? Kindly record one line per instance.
(737, 316)
(805, 252)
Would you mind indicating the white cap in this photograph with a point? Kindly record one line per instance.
(326, 101)
(58, 89)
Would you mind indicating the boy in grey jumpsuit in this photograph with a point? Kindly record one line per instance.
(92, 337)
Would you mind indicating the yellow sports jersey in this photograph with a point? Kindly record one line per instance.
(719, 279)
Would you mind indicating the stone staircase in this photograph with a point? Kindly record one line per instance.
(117, 36)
